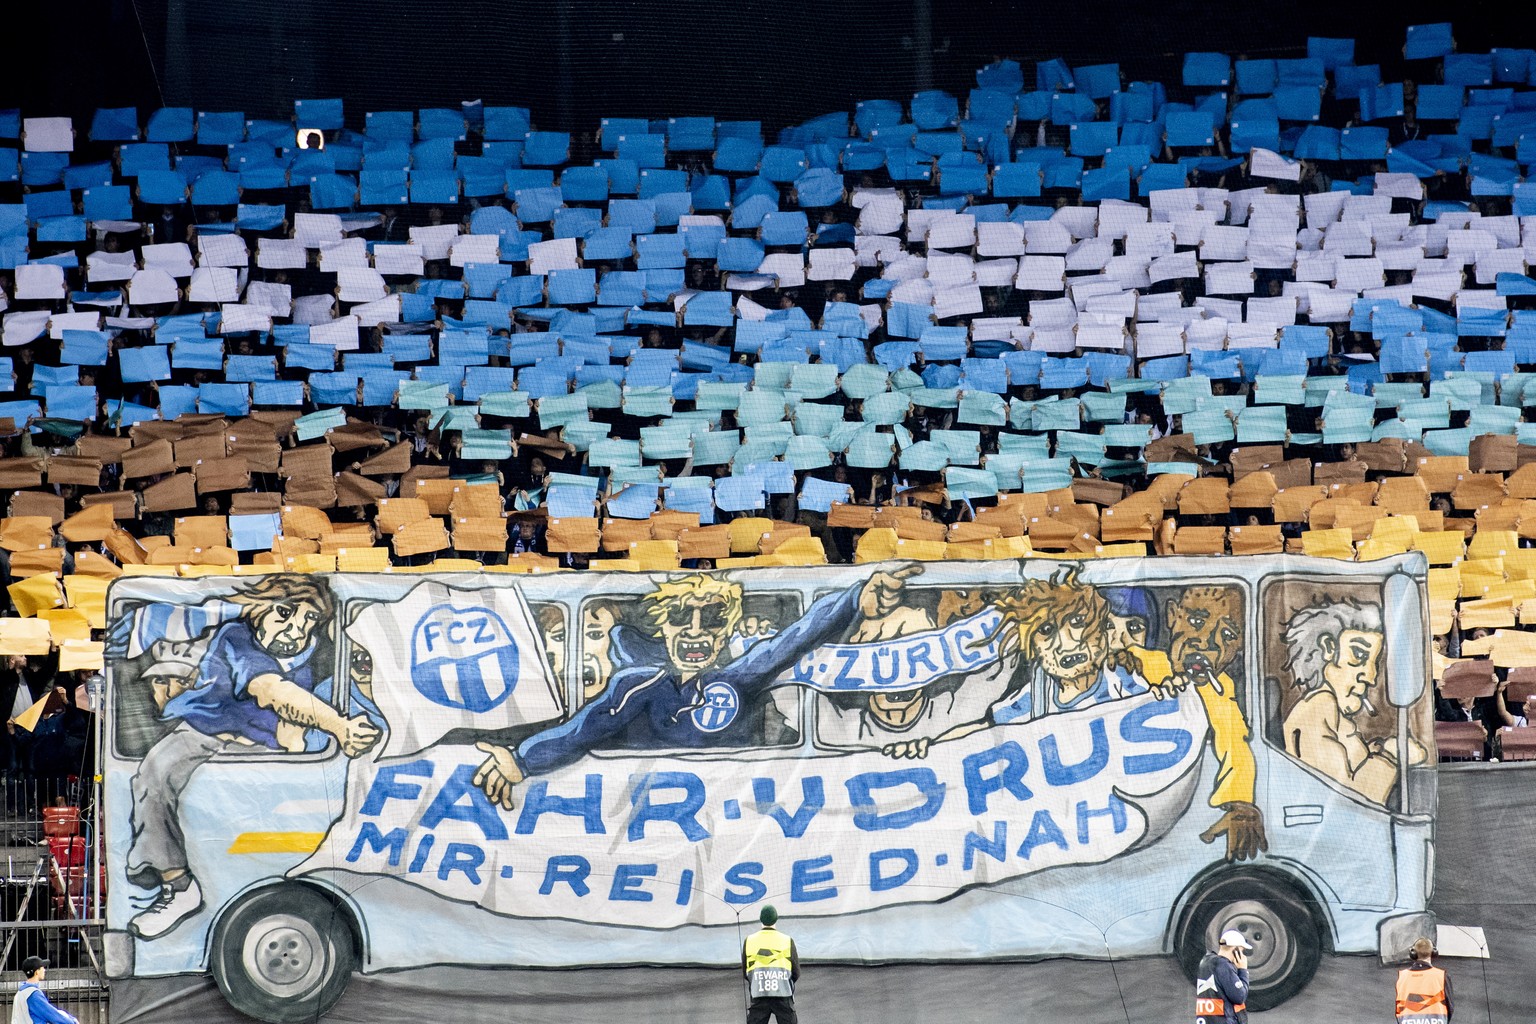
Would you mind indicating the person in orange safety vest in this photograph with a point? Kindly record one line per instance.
(1423, 990)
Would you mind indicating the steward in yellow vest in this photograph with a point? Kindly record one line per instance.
(772, 966)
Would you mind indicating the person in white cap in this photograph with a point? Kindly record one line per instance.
(1221, 984)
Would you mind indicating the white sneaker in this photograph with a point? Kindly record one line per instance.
(170, 908)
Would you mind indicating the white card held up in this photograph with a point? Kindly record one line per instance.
(107, 267)
(1052, 314)
(1276, 311)
(956, 231)
(881, 215)
(40, 281)
(1179, 266)
(873, 250)
(1323, 208)
(312, 230)
(917, 291)
(340, 333)
(999, 238)
(1252, 336)
(1229, 278)
(152, 286)
(436, 239)
(1359, 274)
(996, 273)
(961, 300)
(281, 254)
(1046, 238)
(556, 254)
(1117, 218)
(236, 318)
(1224, 242)
(360, 284)
(24, 326)
(748, 283)
(1152, 240)
(831, 265)
(1102, 337)
(467, 249)
(788, 267)
(271, 297)
(1090, 254)
(314, 309)
(48, 135)
(81, 321)
(214, 284)
(1155, 340)
(175, 258)
(1129, 271)
(995, 328)
(380, 311)
(347, 253)
(222, 251)
(1080, 221)
(1266, 163)
(399, 259)
(948, 269)
(1165, 306)
(1399, 186)
(1042, 273)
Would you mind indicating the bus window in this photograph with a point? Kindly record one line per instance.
(617, 635)
(1198, 630)
(551, 623)
(1324, 669)
(600, 620)
(197, 667)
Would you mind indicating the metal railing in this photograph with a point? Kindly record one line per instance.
(50, 897)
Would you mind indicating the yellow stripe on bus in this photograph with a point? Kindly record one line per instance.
(276, 842)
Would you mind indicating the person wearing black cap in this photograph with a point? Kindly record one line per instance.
(32, 1005)
(772, 966)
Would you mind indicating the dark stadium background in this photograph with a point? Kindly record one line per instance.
(574, 61)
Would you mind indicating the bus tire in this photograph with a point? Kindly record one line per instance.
(1274, 916)
(284, 954)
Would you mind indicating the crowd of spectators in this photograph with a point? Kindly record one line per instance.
(1273, 305)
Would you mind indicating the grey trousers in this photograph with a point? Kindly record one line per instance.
(157, 844)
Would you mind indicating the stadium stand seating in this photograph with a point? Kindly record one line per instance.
(1274, 305)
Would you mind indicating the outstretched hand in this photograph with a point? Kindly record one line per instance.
(881, 593)
(498, 775)
(1243, 825)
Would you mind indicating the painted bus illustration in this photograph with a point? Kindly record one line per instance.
(313, 776)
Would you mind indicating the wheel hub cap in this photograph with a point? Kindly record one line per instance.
(284, 955)
(1272, 950)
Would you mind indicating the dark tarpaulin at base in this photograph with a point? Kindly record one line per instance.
(1486, 831)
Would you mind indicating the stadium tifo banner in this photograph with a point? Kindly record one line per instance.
(698, 843)
(311, 776)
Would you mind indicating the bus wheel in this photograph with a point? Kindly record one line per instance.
(284, 954)
(1275, 919)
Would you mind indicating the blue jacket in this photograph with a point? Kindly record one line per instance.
(220, 702)
(38, 1006)
(650, 707)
